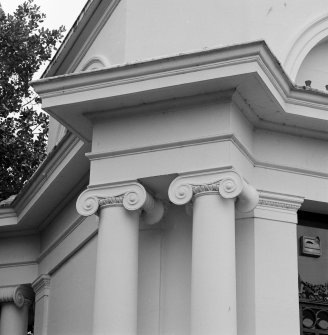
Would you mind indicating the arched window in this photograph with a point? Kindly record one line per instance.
(314, 67)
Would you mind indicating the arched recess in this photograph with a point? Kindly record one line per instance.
(95, 63)
(311, 36)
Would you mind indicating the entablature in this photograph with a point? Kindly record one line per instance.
(251, 69)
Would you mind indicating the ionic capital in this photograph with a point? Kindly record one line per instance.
(19, 295)
(132, 196)
(226, 183)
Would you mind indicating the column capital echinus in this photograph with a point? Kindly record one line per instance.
(226, 183)
(132, 196)
(18, 294)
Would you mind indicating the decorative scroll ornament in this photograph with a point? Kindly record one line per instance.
(228, 184)
(131, 196)
(19, 295)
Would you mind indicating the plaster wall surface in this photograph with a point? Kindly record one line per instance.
(174, 27)
(164, 275)
(176, 272)
(297, 152)
(72, 294)
(18, 259)
(109, 44)
(60, 222)
(149, 280)
(19, 249)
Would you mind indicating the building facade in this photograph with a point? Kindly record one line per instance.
(186, 186)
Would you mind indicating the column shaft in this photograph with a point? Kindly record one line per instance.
(13, 319)
(213, 296)
(115, 310)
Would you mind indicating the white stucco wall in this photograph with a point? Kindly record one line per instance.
(72, 292)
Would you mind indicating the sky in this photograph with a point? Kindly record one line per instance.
(58, 12)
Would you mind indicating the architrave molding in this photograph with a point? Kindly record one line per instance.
(132, 196)
(225, 182)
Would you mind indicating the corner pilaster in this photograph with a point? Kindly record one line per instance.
(267, 265)
(41, 287)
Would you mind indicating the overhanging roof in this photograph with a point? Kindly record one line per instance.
(250, 69)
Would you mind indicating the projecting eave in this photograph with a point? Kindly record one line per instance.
(50, 184)
(251, 70)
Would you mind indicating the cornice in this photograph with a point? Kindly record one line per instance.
(158, 68)
(257, 52)
(70, 98)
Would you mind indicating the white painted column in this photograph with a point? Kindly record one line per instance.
(15, 302)
(213, 292)
(267, 266)
(41, 287)
(119, 208)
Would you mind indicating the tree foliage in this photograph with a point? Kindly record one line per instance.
(24, 46)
